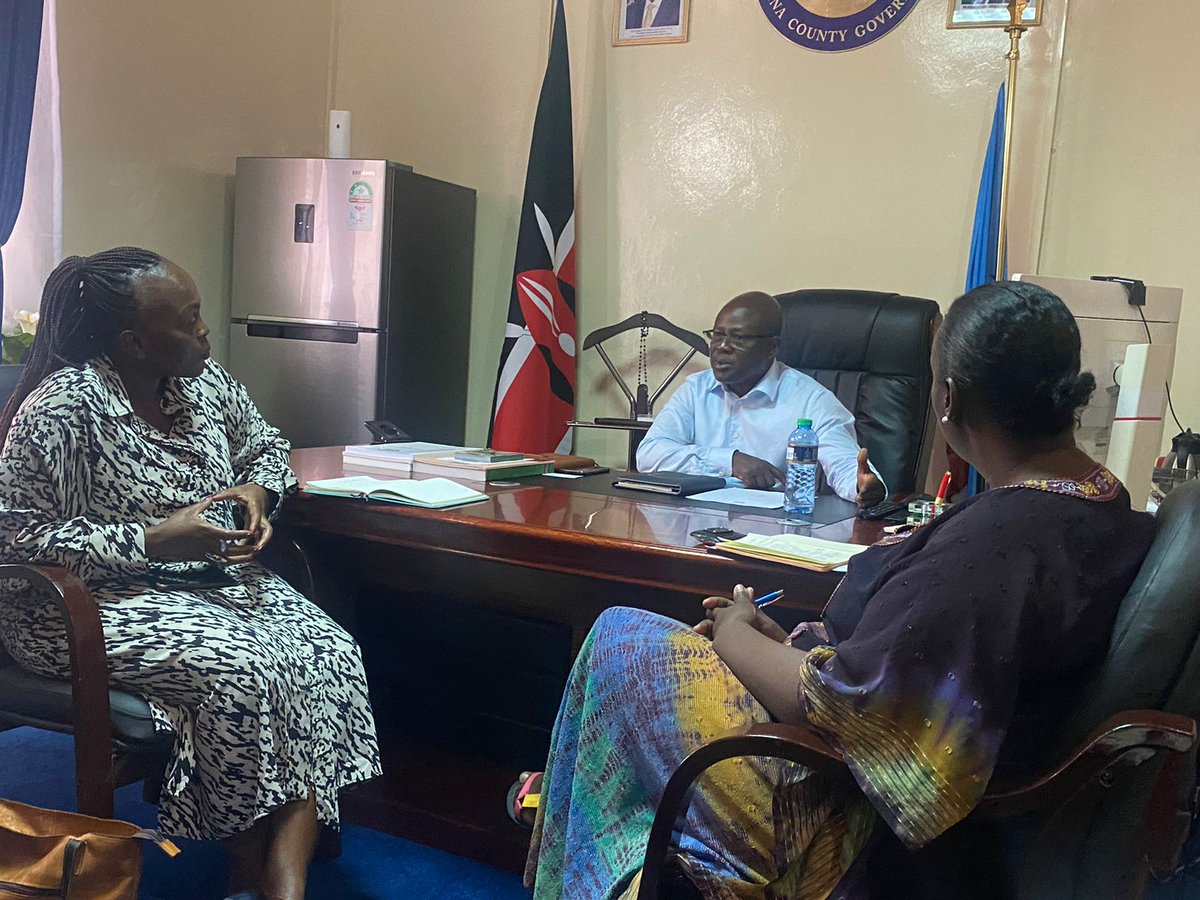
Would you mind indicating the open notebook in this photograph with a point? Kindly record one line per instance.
(432, 493)
(793, 550)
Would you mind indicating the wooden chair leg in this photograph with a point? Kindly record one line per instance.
(329, 845)
(95, 780)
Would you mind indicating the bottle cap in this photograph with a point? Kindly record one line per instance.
(804, 423)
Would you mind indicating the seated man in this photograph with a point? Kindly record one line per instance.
(734, 420)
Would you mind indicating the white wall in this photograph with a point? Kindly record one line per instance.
(159, 97)
(734, 161)
(1125, 181)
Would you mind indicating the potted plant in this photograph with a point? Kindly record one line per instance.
(16, 345)
(20, 339)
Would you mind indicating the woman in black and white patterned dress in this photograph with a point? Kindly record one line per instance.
(135, 461)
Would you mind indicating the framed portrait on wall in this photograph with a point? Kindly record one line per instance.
(650, 21)
(989, 13)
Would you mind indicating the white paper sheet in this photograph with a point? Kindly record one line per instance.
(742, 497)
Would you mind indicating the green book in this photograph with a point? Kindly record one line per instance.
(449, 467)
(487, 456)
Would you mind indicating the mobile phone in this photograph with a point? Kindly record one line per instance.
(590, 470)
(881, 510)
(892, 512)
(716, 535)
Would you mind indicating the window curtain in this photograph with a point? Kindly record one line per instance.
(36, 244)
(20, 49)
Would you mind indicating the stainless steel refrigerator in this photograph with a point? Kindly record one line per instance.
(351, 297)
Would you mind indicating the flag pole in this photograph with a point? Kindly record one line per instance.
(1015, 28)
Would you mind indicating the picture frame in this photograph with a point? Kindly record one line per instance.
(668, 25)
(989, 14)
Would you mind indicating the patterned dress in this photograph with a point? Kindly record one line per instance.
(265, 694)
(942, 659)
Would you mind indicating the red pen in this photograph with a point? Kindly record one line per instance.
(943, 490)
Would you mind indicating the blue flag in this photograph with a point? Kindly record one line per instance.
(985, 235)
(981, 265)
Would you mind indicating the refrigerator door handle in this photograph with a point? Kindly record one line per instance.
(295, 320)
(301, 331)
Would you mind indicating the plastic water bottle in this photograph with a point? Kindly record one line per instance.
(800, 489)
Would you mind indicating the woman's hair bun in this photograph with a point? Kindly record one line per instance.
(1014, 348)
(1072, 392)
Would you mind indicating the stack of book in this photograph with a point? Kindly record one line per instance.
(394, 459)
(793, 550)
(419, 459)
(479, 466)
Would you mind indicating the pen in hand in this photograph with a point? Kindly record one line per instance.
(767, 599)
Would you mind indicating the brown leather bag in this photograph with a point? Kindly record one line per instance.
(50, 854)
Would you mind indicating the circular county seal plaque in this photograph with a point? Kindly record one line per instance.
(835, 25)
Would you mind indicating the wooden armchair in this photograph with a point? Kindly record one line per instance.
(1113, 804)
(1106, 759)
(115, 739)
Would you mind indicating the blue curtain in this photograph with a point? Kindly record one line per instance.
(20, 44)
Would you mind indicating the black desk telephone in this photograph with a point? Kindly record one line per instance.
(384, 432)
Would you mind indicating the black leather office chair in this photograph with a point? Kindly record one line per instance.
(872, 350)
(1115, 794)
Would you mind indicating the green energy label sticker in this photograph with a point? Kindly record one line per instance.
(362, 207)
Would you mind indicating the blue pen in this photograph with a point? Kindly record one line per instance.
(768, 599)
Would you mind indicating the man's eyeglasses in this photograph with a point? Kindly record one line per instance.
(737, 341)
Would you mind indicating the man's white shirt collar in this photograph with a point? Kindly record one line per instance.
(768, 385)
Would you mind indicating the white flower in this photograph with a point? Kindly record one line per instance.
(27, 321)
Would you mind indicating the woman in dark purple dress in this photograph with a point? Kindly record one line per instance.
(939, 661)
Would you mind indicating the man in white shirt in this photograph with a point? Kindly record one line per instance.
(734, 420)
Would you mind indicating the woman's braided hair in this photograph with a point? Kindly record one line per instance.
(86, 303)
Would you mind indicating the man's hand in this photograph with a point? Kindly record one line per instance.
(754, 472)
(185, 536)
(762, 622)
(253, 500)
(870, 488)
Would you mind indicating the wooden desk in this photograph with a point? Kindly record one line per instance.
(635, 551)
(532, 554)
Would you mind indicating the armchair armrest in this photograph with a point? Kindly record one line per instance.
(1126, 739)
(791, 742)
(89, 677)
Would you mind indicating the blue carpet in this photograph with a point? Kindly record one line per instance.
(38, 767)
